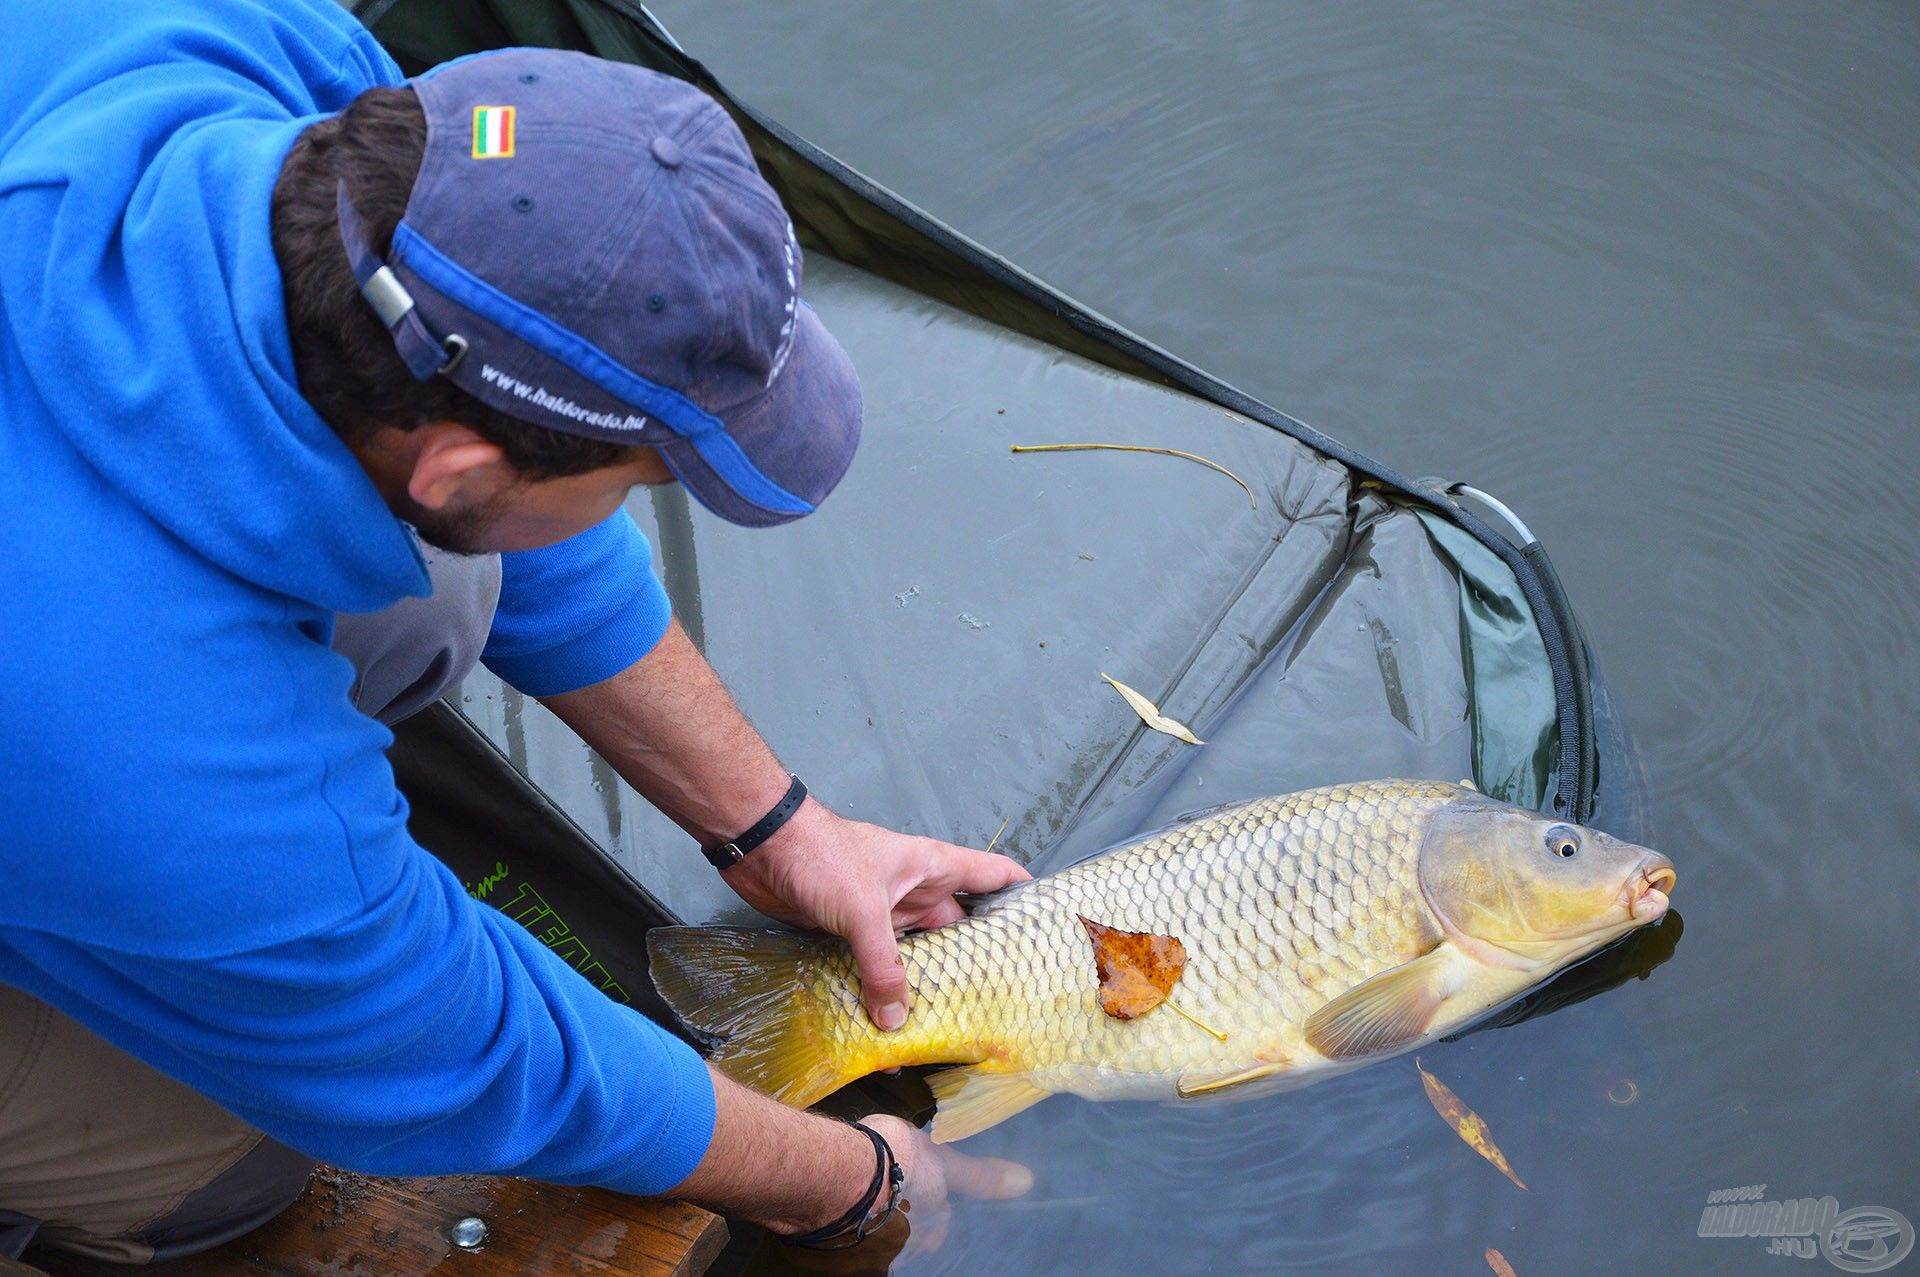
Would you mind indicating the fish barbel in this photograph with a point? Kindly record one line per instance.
(1322, 930)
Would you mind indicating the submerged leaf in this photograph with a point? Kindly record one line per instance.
(1469, 1125)
(1137, 969)
(1150, 713)
(1499, 1264)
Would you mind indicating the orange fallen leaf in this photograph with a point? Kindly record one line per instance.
(1137, 969)
(1469, 1125)
(1499, 1264)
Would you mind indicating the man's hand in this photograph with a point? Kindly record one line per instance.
(793, 1171)
(935, 1172)
(865, 884)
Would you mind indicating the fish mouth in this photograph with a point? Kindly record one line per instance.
(1647, 891)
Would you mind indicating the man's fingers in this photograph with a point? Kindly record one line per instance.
(938, 914)
(979, 872)
(990, 1177)
(932, 1236)
(883, 979)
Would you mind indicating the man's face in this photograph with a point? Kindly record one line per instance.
(507, 511)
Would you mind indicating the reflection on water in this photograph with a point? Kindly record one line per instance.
(1651, 274)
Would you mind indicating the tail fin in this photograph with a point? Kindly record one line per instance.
(751, 989)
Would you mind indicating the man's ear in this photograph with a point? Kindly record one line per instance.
(451, 461)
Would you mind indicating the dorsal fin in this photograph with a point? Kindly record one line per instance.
(1202, 813)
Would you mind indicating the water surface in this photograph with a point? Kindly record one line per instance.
(1650, 272)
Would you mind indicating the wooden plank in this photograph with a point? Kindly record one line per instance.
(349, 1225)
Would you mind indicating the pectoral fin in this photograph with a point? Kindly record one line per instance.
(973, 1098)
(1194, 1084)
(1387, 1012)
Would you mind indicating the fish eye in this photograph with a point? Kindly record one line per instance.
(1563, 841)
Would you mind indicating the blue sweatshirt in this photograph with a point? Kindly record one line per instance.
(204, 856)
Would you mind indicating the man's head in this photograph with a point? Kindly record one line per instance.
(531, 279)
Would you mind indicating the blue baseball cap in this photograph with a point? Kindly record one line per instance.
(590, 247)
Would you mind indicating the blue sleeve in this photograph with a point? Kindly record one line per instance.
(208, 864)
(428, 1035)
(578, 612)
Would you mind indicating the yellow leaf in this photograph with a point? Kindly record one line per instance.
(1150, 713)
(1252, 501)
(1499, 1264)
(1469, 1125)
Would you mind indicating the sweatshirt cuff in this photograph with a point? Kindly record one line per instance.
(684, 1134)
(601, 652)
(579, 612)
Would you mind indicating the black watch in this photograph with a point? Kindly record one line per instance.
(728, 854)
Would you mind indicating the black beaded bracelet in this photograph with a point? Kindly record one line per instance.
(860, 1222)
(728, 854)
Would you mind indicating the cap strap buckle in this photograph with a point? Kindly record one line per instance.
(418, 349)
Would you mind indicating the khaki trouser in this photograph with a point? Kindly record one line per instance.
(100, 1154)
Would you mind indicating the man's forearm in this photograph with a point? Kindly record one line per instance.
(789, 1170)
(669, 727)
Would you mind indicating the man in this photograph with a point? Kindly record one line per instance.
(265, 306)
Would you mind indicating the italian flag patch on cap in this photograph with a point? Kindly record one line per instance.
(492, 132)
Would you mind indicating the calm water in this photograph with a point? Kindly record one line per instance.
(1651, 272)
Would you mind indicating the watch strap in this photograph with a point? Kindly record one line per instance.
(728, 854)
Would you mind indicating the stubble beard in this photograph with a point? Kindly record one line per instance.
(461, 532)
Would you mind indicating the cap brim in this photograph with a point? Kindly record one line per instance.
(800, 435)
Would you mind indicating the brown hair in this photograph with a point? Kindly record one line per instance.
(345, 359)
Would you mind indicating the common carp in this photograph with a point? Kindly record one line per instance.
(1321, 930)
